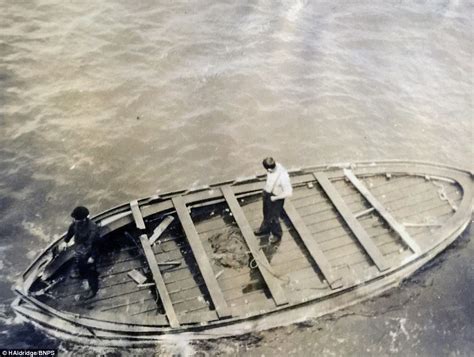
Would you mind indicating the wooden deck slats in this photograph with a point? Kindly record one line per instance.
(201, 257)
(383, 211)
(137, 215)
(354, 225)
(159, 282)
(323, 245)
(312, 246)
(247, 232)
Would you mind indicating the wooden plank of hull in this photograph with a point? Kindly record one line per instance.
(201, 257)
(159, 282)
(31, 312)
(382, 211)
(312, 246)
(352, 222)
(92, 323)
(262, 262)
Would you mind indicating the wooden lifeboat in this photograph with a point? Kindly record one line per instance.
(351, 231)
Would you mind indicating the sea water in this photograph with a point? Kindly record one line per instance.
(102, 102)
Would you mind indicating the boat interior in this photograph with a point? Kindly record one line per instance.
(337, 233)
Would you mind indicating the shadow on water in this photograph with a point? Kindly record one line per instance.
(453, 251)
(31, 337)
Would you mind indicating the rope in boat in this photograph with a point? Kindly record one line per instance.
(443, 196)
(255, 262)
(287, 280)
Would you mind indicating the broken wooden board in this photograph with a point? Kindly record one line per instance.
(162, 291)
(158, 231)
(138, 277)
(137, 215)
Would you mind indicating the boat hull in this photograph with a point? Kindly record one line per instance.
(365, 279)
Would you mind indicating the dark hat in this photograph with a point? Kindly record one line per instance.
(80, 213)
(269, 163)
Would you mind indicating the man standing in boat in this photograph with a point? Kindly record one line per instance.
(86, 235)
(277, 188)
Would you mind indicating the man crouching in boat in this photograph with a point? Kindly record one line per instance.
(277, 188)
(86, 235)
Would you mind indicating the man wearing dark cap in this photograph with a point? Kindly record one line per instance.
(86, 235)
(277, 188)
